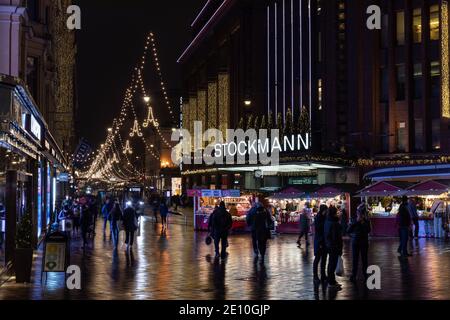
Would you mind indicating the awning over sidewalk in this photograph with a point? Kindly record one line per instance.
(384, 189)
(288, 193)
(429, 188)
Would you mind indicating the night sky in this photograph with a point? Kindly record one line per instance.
(111, 43)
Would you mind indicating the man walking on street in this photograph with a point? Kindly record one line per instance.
(333, 243)
(414, 217)
(404, 225)
(221, 224)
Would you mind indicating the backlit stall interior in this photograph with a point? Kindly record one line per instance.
(236, 204)
(429, 196)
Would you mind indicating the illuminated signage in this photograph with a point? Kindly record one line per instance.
(35, 128)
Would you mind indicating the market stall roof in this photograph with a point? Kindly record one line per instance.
(384, 189)
(288, 193)
(327, 192)
(428, 188)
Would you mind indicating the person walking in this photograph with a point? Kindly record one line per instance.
(344, 218)
(130, 223)
(261, 224)
(250, 219)
(221, 225)
(404, 225)
(115, 216)
(333, 243)
(163, 212)
(76, 218)
(304, 224)
(156, 206)
(414, 217)
(438, 211)
(85, 223)
(359, 232)
(107, 207)
(320, 250)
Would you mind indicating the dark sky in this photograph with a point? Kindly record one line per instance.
(110, 44)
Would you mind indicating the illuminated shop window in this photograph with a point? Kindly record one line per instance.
(434, 22)
(402, 137)
(417, 25)
(400, 19)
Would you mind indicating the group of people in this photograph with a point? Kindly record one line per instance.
(126, 219)
(83, 214)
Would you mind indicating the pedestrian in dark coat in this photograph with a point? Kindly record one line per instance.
(414, 217)
(304, 224)
(114, 217)
(359, 232)
(107, 207)
(404, 225)
(163, 211)
(333, 243)
(262, 224)
(221, 225)
(85, 223)
(250, 219)
(320, 250)
(130, 225)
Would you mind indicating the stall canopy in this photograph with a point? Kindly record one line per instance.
(288, 193)
(327, 192)
(384, 189)
(429, 188)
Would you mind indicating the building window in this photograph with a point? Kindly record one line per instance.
(385, 31)
(32, 77)
(402, 137)
(436, 134)
(401, 81)
(400, 28)
(435, 75)
(417, 25)
(319, 93)
(434, 22)
(418, 135)
(33, 9)
(384, 85)
(417, 83)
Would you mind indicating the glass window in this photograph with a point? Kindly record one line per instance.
(33, 9)
(401, 81)
(384, 85)
(436, 134)
(400, 28)
(435, 75)
(417, 83)
(402, 137)
(418, 135)
(417, 25)
(434, 22)
(32, 76)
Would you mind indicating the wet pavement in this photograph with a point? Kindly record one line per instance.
(178, 265)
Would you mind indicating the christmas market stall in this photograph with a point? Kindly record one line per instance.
(431, 199)
(383, 200)
(206, 200)
(286, 208)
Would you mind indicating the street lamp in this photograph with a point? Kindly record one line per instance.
(147, 99)
(248, 103)
(109, 129)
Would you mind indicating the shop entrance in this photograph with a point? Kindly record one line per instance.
(18, 200)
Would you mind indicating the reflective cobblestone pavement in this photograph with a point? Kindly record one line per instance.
(179, 265)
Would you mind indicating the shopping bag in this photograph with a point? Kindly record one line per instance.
(340, 267)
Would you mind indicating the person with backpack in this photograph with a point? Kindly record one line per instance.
(130, 223)
(262, 224)
(221, 225)
(114, 217)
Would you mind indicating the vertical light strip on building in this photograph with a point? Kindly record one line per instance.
(292, 59)
(284, 61)
(268, 60)
(445, 96)
(310, 63)
(276, 60)
(301, 58)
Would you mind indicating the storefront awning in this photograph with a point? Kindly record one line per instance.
(424, 172)
(428, 188)
(384, 189)
(288, 193)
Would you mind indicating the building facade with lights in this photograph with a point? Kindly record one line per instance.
(374, 98)
(37, 111)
